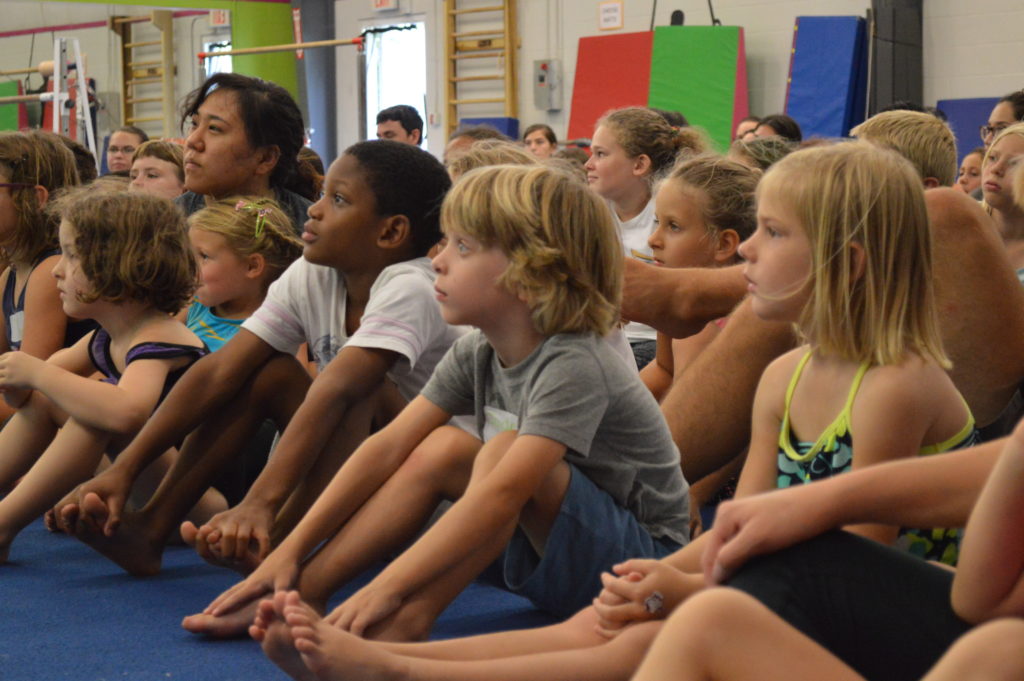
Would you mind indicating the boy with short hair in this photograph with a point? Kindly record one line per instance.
(570, 465)
(921, 138)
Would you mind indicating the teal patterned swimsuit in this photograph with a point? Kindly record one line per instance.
(832, 453)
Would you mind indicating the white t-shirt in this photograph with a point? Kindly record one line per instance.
(634, 233)
(307, 304)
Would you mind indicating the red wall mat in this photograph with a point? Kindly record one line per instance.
(612, 71)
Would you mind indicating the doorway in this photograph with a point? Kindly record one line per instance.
(396, 71)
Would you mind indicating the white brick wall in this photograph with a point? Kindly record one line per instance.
(973, 49)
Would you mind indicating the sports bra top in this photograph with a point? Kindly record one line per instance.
(99, 353)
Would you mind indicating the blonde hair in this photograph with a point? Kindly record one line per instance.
(1018, 185)
(728, 188)
(1015, 129)
(34, 158)
(131, 247)
(855, 192)
(111, 184)
(921, 138)
(171, 152)
(491, 153)
(564, 250)
(252, 225)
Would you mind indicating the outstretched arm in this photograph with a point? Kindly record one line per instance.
(932, 491)
(679, 302)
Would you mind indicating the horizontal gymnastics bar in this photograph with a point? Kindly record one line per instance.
(38, 97)
(283, 48)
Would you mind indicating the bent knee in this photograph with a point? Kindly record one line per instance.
(710, 615)
(991, 651)
(280, 384)
(445, 456)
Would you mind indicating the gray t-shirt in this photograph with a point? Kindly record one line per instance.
(575, 390)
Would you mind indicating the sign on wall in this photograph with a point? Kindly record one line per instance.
(609, 15)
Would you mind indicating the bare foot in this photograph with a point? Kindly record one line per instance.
(335, 655)
(132, 547)
(66, 518)
(50, 521)
(230, 625)
(270, 630)
(249, 562)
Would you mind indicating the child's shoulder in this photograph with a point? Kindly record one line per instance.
(407, 274)
(165, 330)
(586, 355)
(785, 365)
(915, 396)
(775, 381)
(582, 344)
(914, 378)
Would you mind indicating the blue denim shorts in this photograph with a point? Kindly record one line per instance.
(590, 535)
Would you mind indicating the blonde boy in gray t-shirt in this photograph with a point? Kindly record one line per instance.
(571, 468)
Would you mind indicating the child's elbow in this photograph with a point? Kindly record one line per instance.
(128, 421)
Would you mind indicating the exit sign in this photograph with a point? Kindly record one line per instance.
(385, 5)
(220, 17)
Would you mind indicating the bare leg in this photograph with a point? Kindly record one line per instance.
(25, 437)
(991, 652)
(330, 653)
(69, 459)
(275, 391)
(220, 541)
(211, 503)
(414, 620)
(439, 467)
(723, 634)
(217, 541)
(349, 434)
(579, 631)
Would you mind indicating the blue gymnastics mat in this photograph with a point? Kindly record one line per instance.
(66, 613)
(965, 117)
(827, 75)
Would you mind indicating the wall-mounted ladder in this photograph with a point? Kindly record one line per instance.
(480, 60)
(147, 74)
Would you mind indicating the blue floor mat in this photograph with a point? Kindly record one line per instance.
(68, 613)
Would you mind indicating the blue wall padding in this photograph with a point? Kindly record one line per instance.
(827, 75)
(966, 116)
(507, 126)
